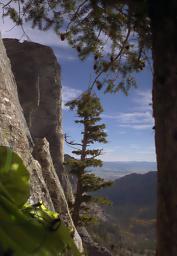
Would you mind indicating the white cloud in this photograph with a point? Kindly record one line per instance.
(65, 54)
(135, 117)
(143, 100)
(122, 132)
(50, 38)
(137, 126)
(135, 120)
(141, 116)
(129, 156)
(129, 153)
(61, 49)
(146, 152)
(69, 93)
(134, 146)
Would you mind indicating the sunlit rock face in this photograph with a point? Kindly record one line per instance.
(14, 131)
(37, 74)
(30, 116)
(31, 124)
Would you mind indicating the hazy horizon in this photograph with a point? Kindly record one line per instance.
(130, 161)
(117, 169)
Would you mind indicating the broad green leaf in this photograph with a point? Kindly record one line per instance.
(13, 176)
(31, 229)
(36, 234)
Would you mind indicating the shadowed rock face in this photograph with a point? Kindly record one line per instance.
(21, 123)
(92, 248)
(37, 74)
(14, 131)
(30, 115)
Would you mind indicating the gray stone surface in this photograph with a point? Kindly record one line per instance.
(41, 153)
(92, 248)
(14, 132)
(30, 116)
(37, 74)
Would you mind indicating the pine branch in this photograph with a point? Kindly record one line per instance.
(75, 15)
(71, 142)
(116, 57)
(7, 4)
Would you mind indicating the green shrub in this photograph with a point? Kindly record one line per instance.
(27, 229)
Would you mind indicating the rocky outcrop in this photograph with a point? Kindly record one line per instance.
(14, 132)
(41, 153)
(21, 125)
(92, 248)
(30, 116)
(37, 74)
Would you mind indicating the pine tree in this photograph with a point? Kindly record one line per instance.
(86, 25)
(132, 29)
(88, 109)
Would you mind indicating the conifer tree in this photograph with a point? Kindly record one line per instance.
(132, 28)
(88, 109)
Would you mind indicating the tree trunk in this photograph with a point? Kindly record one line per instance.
(78, 199)
(77, 203)
(164, 37)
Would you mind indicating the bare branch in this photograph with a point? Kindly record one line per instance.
(7, 4)
(25, 34)
(71, 142)
(75, 14)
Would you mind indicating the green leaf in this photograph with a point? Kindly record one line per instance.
(33, 231)
(14, 177)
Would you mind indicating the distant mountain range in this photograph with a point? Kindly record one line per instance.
(115, 170)
(133, 189)
(132, 215)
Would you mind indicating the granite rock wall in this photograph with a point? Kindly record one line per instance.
(26, 120)
(37, 74)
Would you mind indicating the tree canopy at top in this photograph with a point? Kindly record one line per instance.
(115, 33)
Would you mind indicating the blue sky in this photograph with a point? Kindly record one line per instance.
(128, 119)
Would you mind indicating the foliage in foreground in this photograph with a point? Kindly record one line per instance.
(27, 229)
(116, 34)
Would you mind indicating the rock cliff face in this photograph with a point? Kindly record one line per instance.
(92, 248)
(30, 116)
(37, 74)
